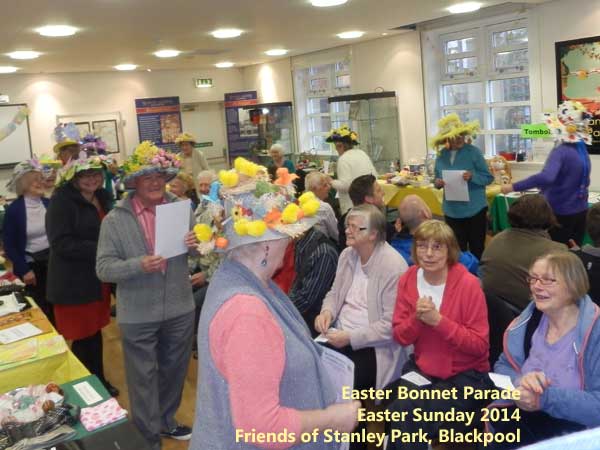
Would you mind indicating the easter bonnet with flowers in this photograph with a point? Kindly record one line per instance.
(570, 123)
(81, 164)
(255, 210)
(65, 135)
(147, 159)
(31, 165)
(343, 134)
(451, 127)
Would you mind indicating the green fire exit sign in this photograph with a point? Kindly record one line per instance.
(204, 82)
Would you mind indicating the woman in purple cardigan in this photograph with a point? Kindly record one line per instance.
(565, 178)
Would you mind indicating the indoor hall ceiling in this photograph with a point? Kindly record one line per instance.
(129, 31)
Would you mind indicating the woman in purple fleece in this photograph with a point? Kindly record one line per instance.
(565, 178)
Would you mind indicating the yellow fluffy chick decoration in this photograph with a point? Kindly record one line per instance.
(256, 228)
(308, 195)
(229, 178)
(310, 207)
(246, 167)
(309, 203)
(203, 232)
(241, 227)
(291, 214)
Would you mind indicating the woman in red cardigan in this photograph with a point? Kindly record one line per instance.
(441, 310)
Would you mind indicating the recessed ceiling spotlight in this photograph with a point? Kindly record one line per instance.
(224, 65)
(169, 53)
(126, 67)
(384, 34)
(8, 69)
(350, 34)
(24, 54)
(148, 70)
(465, 7)
(276, 52)
(325, 3)
(57, 30)
(226, 33)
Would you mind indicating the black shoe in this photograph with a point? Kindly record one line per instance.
(113, 391)
(180, 433)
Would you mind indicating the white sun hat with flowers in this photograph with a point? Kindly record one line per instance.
(570, 123)
(255, 211)
(44, 165)
(146, 159)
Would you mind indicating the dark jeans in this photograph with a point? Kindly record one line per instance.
(477, 380)
(535, 426)
(38, 292)
(470, 232)
(571, 227)
(89, 352)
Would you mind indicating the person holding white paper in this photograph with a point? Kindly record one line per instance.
(441, 310)
(155, 308)
(259, 370)
(466, 214)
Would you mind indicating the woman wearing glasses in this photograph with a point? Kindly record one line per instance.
(356, 316)
(441, 310)
(552, 354)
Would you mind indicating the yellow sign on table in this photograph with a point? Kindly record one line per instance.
(38, 360)
(433, 197)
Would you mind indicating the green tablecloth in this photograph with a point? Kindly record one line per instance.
(73, 398)
(499, 215)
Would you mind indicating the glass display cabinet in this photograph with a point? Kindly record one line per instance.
(268, 124)
(374, 117)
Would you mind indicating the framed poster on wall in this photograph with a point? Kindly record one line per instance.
(84, 128)
(107, 130)
(578, 78)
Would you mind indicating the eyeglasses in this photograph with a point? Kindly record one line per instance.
(435, 247)
(544, 281)
(354, 228)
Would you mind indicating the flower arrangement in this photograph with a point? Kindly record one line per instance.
(66, 173)
(92, 143)
(147, 154)
(343, 134)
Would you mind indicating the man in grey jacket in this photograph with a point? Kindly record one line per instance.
(155, 307)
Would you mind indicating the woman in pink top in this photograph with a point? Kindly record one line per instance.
(261, 381)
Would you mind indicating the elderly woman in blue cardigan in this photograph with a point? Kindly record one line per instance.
(25, 240)
(468, 219)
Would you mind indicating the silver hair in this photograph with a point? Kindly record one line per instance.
(277, 148)
(374, 218)
(207, 174)
(313, 180)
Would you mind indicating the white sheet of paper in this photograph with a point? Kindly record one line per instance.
(87, 393)
(322, 339)
(501, 381)
(455, 187)
(326, 167)
(172, 223)
(18, 333)
(416, 378)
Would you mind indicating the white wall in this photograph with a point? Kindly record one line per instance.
(272, 81)
(64, 94)
(77, 93)
(393, 63)
(563, 20)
